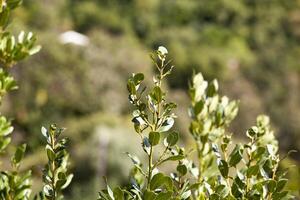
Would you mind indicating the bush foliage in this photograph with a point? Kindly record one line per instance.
(221, 169)
(14, 183)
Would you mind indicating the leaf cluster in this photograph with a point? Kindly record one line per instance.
(14, 183)
(14, 49)
(251, 171)
(55, 175)
(223, 170)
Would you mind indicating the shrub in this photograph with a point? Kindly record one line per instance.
(14, 183)
(224, 171)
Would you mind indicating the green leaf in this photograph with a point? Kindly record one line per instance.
(149, 195)
(214, 197)
(168, 183)
(198, 107)
(172, 138)
(238, 185)
(182, 169)
(220, 115)
(271, 185)
(212, 88)
(131, 87)
(4, 143)
(154, 138)
(279, 196)
(173, 158)
(12, 4)
(236, 191)
(252, 170)
(60, 183)
(19, 154)
(4, 16)
(259, 152)
(164, 196)
(138, 78)
(68, 181)
(169, 106)
(156, 94)
(50, 153)
(222, 190)
(157, 181)
(236, 156)
(118, 194)
(223, 167)
(280, 184)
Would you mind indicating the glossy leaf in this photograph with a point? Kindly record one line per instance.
(154, 138)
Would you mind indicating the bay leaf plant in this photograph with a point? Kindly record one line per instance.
(223, 169)
(15, 183)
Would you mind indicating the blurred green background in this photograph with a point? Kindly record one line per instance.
(251, 46)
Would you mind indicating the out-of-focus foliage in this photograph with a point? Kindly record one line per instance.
(255, 164)
(211, 114)
(13, 50)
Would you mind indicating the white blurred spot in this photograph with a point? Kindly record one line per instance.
(72, 37)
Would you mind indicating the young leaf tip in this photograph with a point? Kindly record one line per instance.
(162, 50)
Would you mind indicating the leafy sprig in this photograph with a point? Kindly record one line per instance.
(55, 175)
